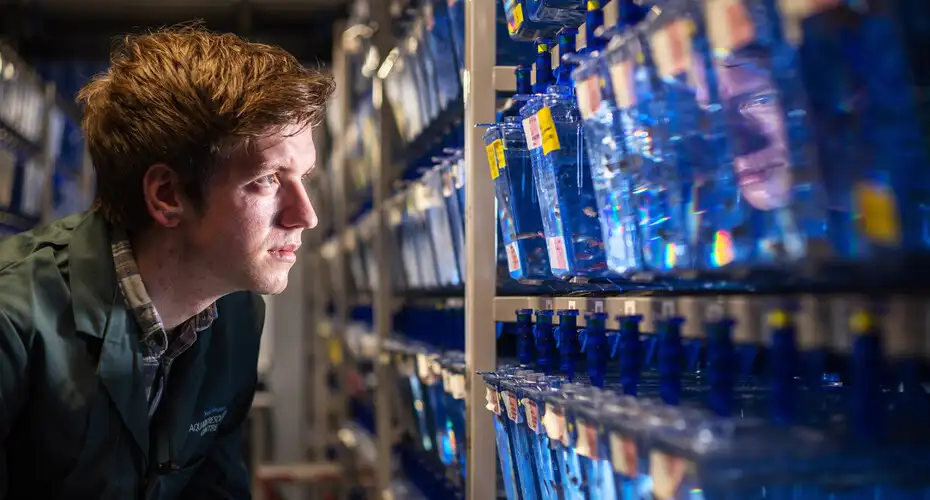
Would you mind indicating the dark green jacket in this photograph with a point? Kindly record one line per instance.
(73, 416)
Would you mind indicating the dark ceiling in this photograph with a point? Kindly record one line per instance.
(44, 30)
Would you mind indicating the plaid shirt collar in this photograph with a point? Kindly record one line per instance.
(137, 300)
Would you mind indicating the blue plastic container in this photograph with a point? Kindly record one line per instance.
(554, 134)
(610, 170)
(440, 227)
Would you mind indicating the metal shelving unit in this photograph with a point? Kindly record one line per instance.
(42, 146)
(482, 309)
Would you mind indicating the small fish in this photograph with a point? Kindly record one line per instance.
(590, 212)
(584, 256)
(582, 238)
(598, 266)
(528, 236)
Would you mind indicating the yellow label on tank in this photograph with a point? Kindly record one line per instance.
(878, 213)
(594, 4)
(550, 139)
(499, 153)
(492, 159)
(514, 26)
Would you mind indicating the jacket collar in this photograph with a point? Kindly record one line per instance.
(99, 312)
(94, 289)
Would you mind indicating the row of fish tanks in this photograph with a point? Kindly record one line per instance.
(713, 230)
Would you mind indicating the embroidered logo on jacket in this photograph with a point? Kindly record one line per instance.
(210, 421)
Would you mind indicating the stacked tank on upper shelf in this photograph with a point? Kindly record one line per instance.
(24, 145)
(719, 136)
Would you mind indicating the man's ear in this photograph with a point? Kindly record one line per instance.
(164, 198)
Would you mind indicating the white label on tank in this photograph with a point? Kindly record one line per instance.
(554, 422)
(532, 132)
(729, 25)
(558, 260)
(493, 401)
(532, 415)
(623, 83)
(513, 259)
(623, 455)
(629, 307)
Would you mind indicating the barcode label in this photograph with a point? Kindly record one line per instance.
(513, 259)
(547, 131)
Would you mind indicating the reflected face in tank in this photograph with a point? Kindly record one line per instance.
(757, 130)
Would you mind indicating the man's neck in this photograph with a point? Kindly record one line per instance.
(176, 288)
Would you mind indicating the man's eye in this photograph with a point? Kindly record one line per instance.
(268, 180)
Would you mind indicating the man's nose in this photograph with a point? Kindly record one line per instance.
(299, 212)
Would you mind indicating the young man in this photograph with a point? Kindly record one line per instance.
(129, 334)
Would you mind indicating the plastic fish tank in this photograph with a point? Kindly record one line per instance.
(554, 135)
(453, 364)
(652, 180)
(405, 88)
(422, 238)
(353, 247)
(417, 46)
(518, 203)
(818, 103)
(610, 169)
(502, 433)
(522, 28)
(441, 43)
(440, 228)
(456, 206)
(566, 13)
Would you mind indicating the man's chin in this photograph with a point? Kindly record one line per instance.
(273, 286)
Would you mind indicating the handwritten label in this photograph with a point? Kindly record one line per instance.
(513, 259)
(623, 82)
(531, 132)
(668, 473)
(589, 96)
(550, 138)
(532, 416)
(510, 403)
(624, 455)
(493, 401)
(729, 25)
(671, 49)
(558, 258)
(554, 422)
